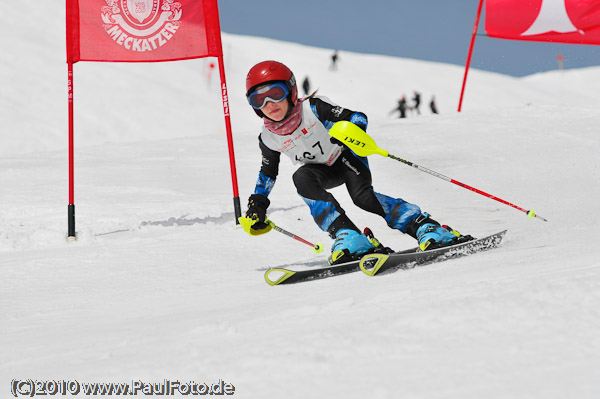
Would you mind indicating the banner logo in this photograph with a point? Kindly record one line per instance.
(552, 17)
(141, 25)
(225, 99)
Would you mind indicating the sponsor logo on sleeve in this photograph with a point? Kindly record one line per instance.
(337, 111)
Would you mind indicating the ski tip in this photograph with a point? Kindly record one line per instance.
(277, 276)
(370, 264)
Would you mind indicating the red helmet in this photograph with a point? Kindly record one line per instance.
(271, 71)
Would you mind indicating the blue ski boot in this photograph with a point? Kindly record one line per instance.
(349, 245)
(433, 236)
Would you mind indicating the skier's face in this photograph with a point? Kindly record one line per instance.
(276, 111)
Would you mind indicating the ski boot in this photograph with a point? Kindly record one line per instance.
(349, 245)
(378, 247)
(431, 235)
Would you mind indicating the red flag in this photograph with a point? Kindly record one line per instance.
(142, 30)
(564, 21)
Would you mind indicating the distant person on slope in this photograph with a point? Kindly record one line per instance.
(417, 101)
(432, 106)
(298, 127)
(334, 60)
(306, 86)
(401, 107)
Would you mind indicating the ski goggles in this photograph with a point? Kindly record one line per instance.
(275, 92)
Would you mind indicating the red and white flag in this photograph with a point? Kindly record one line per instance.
(563, 21)
(142, 30)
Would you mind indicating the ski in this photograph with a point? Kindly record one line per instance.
(379, 263)
(279, 275)
(376, 264)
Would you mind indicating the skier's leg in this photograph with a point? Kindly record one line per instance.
(398, 214)
(311, 182)
(408, 219)
(357, 177)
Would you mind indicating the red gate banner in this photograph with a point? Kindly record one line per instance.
(563, 21)
(142, 30)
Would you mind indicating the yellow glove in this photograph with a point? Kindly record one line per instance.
(255, 227)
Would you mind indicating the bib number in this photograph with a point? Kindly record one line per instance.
(308, 155)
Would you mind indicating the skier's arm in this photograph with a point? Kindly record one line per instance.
(255, 222)
(269, 170)
(329, 114)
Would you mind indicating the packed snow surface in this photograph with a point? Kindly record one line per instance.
(162, 285)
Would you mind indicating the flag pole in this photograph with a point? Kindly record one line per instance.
(473, 35)
(214, 10)
(236, 196)
(71, 236)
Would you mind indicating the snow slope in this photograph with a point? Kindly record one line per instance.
(161, 284)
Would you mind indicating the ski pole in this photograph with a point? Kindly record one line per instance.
(363, 145)
(317, 248)
(247, 222)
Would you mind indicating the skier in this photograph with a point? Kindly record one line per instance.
(401, 107)
(432, 105)
(334, 59)
(417, 101)
(306, 86)
(298, 127)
